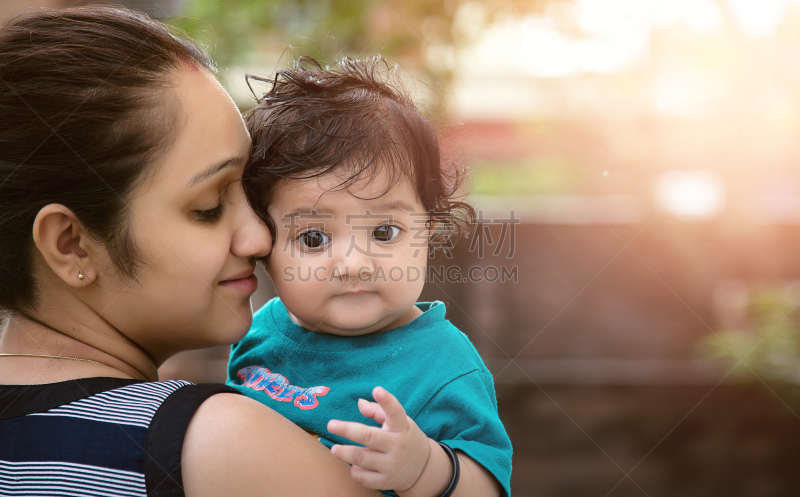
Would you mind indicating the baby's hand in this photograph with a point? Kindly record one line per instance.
(395, 454)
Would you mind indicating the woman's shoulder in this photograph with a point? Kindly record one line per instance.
(237, 446)
(89, 432)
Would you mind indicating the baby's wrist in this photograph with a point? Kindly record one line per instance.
(435, 476)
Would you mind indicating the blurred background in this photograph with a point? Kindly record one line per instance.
(634, 277)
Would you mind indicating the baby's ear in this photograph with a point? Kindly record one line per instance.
(431, 225)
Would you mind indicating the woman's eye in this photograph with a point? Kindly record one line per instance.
(385, 233)
(210, 215)
(314, 239)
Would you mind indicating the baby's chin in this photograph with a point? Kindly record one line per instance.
(351, 324)
(353, 315)
(350, 328)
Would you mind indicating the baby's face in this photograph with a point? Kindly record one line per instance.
(348, 261)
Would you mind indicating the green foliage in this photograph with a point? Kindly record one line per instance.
(342, 27)
(531, 178)
(767, 343)
(234, 28)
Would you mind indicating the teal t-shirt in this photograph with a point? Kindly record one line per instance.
(428, 364)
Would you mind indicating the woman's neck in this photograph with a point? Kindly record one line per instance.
(94, 341)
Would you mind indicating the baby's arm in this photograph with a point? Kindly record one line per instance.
(398, 456)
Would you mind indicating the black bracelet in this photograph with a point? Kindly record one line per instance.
(456, 470)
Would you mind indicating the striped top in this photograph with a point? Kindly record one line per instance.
(96, 437)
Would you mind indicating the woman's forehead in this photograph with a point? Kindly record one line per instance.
(210, 132)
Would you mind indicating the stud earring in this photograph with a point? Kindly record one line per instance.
(82, 278)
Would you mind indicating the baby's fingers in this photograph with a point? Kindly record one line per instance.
(372, 437)
(369, 479)
(368, 469)
(378, 480)
(396, 419)
(362, 457)
(371, 410)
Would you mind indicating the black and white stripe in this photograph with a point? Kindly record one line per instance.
(132, 405)
(94, 437)
(68, 479)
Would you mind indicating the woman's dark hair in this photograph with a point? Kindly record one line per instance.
(82, 99)
(357, 116)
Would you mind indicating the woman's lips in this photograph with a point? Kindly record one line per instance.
(247, 285)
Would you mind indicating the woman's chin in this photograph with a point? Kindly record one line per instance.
(227, 333)
(235, 336)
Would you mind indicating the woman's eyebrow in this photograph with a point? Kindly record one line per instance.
(309, 213)
(214, 169)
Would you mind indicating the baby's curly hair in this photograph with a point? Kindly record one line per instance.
(358, 116)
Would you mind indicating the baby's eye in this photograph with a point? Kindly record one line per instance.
(385, 233)
(314, 239)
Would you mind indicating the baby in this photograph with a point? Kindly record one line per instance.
(346, 172)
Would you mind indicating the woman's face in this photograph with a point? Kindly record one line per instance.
(196, 234)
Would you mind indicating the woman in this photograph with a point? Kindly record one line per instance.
(125, 238)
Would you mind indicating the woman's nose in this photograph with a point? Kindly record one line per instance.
(252, 237)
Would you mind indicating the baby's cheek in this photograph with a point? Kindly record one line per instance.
(302, 287)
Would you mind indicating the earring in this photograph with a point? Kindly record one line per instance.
(82, 278)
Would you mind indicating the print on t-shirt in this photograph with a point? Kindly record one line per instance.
(278, 387)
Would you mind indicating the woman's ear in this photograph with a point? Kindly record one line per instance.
(64, 245)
